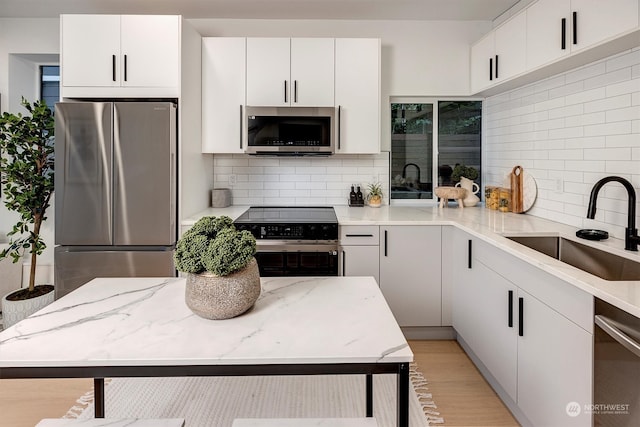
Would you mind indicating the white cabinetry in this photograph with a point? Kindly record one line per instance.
(290, 72)
(359, 251)
(357, 95)
(557, 28)
(410, 273)
(509, 315)
(223, 94)
(120, 53)
(500, 55)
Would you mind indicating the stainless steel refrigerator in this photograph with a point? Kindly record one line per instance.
(115, 191)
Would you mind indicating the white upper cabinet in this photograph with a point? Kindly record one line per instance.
(290, 72)
(499, 55)
(357, 95)
(120, 51)
(223, 94)
(557, 28)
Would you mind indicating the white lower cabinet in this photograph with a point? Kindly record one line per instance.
(359, 248)
(410, 273)
(530, 330)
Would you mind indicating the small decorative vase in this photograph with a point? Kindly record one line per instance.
(222, 297)
(15, 311)
(375, 203)
(472, 189)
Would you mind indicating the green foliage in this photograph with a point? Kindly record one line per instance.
(468, 172)
(26, 176)
(374, 189)
(213, 244)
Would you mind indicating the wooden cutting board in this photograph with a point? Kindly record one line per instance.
(516, 183)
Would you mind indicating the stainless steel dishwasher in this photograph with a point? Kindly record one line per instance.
(616, 367)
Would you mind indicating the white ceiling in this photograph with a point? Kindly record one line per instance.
(484, 10)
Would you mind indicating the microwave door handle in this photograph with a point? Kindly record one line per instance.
(607, 325)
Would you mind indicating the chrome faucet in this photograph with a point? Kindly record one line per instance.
(631, 238)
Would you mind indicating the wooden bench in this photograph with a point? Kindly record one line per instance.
(111, 422)
(305, 422)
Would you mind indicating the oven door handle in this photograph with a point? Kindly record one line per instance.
(296, 247)
(612, 329)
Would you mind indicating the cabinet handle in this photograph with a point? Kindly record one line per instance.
(469, 255)
(295, 91)
(113, 67)
(490, 68)
(575, 27)
(286, 98)
(496, 66)
(344, 258)
(385, 242)
(358, 235)
(563, 42)
(510, 320)
(339, 124)
(241, 121)
(125, 68)
(521, 317)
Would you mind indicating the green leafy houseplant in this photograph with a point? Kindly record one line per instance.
(213, 244)
(26, 175)
(468, 172)
(374, 193)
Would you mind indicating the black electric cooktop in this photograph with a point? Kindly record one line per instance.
(290, 222)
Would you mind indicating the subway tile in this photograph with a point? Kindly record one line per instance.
(607, 153)
(585, 96)
(610, 103)
(621, 114)
(586, 142)
(290, 185)
(615, 128)
(626, 140)
(586, 72)
(295, 177)
(309, 185)
(586, 119)
(627, 59)
(608, 78)
(566, 111)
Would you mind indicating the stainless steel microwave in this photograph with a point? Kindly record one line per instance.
(292, 131)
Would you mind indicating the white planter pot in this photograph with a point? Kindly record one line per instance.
(15, 311)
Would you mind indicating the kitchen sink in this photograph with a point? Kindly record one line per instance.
(600, 263)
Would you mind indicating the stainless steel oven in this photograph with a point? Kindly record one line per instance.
(616, 399)
(293, 241)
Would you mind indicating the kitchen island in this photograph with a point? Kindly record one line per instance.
(141, 327)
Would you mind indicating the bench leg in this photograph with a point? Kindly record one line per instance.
(98, 397)
(369, 386)
(403, 395)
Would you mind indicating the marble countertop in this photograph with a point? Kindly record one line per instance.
(145, 322)
(492, 227)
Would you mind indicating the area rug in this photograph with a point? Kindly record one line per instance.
(217, 401)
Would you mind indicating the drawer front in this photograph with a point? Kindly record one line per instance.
(354, 235)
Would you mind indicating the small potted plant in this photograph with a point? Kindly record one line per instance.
(374, 194)
(461, 170)
(223, 279)
(26, 175)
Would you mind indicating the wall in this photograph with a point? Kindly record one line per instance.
(569, 131)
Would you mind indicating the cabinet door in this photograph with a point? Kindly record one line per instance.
(357, 95)
(482, 63)
(598, 20)
(360, 261)
(554, 366)
(150, 50)
(312, 72)
(223, 94)
(410, 269)
(545, 41)
(90, 50)
(463, 316)
(268, 71)
(510, 42)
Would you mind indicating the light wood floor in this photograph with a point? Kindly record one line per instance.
(461, 394)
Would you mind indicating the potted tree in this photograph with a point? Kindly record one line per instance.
(26, 178)
(223, 279)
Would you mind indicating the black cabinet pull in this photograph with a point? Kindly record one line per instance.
(385, 242)
(241, 120)
(470, 255)
(339, 122)
(125, 68)
(295, 91)
(521, 317)
(490, 68)
(496, 66)
(575, 27)
(343, 263)
(113, 67)
(563, 42)
(510, 320)
(285, 92)
(358, 235)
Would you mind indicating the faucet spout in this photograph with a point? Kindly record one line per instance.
(631, 233)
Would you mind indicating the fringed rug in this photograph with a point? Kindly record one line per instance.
(217, 401)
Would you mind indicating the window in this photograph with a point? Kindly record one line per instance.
(429, 138)
(50, 84)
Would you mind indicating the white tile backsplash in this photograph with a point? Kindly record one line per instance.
(298, 181)
(569, 131)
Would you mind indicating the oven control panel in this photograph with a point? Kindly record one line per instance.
(292, 231)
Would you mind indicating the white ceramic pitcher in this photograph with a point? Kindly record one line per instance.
(472, 189)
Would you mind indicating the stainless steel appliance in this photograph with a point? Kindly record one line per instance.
(616, 397)
(292, 131)
(115, 191)
(293, 241)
